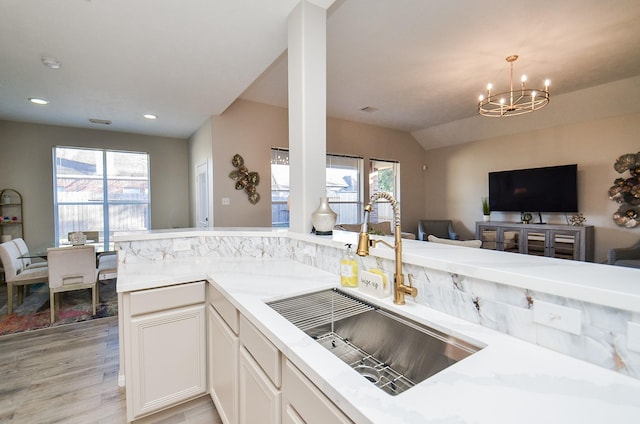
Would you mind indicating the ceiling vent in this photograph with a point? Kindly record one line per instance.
(100, 121)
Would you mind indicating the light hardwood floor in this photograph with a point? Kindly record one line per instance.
(68, 374)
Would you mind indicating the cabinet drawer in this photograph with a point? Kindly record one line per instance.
(227, 311)
(146, 301)
(304, 401)
(262, 350)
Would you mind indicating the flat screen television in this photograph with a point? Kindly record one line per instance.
(548, 189)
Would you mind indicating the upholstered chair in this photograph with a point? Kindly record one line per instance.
(72, 268)
(16, 275)
(625, 256)
(441, 228)
(24, 250)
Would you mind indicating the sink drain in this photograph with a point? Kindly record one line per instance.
(370, 373)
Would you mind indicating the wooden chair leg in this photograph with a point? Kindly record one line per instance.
(94, 297)
(9, 298)
(52, 303)
(20, 295)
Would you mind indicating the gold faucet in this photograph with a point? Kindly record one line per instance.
(399, 289)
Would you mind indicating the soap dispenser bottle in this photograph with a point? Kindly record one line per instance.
(349, 268)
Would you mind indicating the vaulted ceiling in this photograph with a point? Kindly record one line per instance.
(419, 64)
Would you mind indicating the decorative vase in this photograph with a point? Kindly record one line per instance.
(324, 218)
(486, 218)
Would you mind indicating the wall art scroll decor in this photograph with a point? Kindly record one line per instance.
(244, 179)
(626, 191)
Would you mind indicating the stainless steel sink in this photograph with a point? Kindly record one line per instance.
(391, 351)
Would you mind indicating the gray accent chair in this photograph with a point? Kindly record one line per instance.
(441, 228)
(625, 256)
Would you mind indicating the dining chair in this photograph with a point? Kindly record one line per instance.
(24, 250)
(107, 267)
(72, 268)
(16, 275)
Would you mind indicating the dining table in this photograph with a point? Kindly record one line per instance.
(41, 252)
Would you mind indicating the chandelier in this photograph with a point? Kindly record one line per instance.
(513, 102)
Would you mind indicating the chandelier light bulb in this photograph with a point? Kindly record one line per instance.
(547, 83)
(481, 98)
(489, 86)
(524, 78)
(502, 100)
(533, 94)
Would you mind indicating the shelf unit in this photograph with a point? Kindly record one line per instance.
(551, 240)
(11, 222)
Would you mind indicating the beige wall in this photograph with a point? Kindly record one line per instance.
(251, 129)
(26, 165)
(457, 178)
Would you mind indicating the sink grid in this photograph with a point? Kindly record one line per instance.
(377, 372)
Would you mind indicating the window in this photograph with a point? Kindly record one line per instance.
(100, 190)
(384, 176)
(343, 184)
(279, 187)
(344, 187)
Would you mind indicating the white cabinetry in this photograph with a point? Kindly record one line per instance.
(303, 402)
(164, 347)
(259, 377)
(223, 356)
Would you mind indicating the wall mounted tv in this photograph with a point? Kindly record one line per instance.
(548, 189)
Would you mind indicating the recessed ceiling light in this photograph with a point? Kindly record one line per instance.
(38, 101)
(150, 116)
(99, 121)
(51, 63)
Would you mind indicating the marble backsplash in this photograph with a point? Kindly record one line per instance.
(501, 307)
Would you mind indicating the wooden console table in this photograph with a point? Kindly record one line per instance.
(553, 240)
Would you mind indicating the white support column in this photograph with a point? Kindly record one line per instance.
(307, 112)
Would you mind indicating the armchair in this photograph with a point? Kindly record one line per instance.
(441, 228)
(72, 268)
(625, 256)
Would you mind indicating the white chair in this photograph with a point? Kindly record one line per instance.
(72, 268)
(24, 250)
(17, 275)
(107, 267)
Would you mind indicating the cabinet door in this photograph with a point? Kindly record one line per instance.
(303, 402)
(564, 244)
(536, 242)
(168, 358)
(259, 399)
(223, 367)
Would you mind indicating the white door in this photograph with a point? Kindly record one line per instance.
(202, 195)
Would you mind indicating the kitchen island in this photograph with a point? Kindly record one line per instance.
(508, 380)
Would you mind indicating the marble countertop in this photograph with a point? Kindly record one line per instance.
(590, 282)
(508, 381)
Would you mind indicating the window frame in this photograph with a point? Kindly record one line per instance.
(280, 156)
(106, 202)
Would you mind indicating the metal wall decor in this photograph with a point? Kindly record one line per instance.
(245, 180)
(626, 191)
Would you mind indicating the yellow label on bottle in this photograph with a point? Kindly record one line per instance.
(349, 273)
